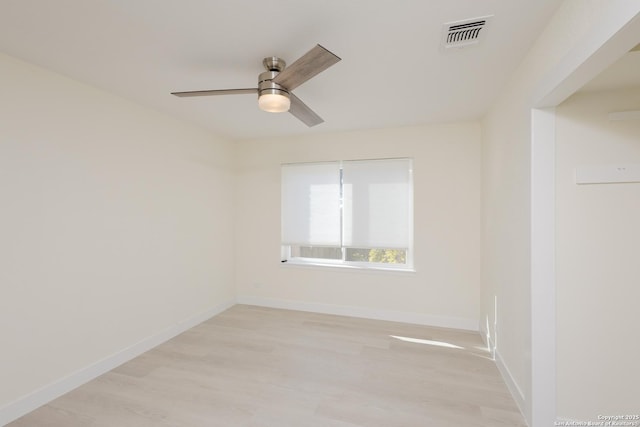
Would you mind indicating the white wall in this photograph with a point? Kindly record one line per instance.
(444, 289)
(114, 226)
(506, 242)
(597, 259)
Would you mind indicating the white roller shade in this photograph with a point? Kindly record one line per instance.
(378, 207)
(311, 204)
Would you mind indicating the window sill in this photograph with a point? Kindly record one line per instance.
(349, 268)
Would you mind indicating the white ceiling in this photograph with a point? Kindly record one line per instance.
(392, 72)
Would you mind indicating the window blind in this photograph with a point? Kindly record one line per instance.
(311, 204)
(378, 208)
(349, 204)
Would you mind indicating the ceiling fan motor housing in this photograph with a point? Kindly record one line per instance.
(272, 97)
(267, 86)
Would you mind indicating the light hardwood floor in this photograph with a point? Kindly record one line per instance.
(260, 367)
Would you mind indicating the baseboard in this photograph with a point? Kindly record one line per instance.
(363, 312)
(512, 385)
(28, 403)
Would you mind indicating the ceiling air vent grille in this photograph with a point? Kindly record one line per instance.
(464, 33)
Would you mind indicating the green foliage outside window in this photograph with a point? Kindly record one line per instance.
(384, 256)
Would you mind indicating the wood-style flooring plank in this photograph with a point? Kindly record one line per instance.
(261, 367)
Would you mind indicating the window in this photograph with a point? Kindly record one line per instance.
(355, 213)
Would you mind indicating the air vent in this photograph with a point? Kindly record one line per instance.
(464, 33)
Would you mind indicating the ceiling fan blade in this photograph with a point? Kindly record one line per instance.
(214, 92)
(308, 65)
(303, 113)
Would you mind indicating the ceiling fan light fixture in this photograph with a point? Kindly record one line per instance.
(274, 101)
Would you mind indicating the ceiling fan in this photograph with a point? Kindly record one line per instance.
(275, 84)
